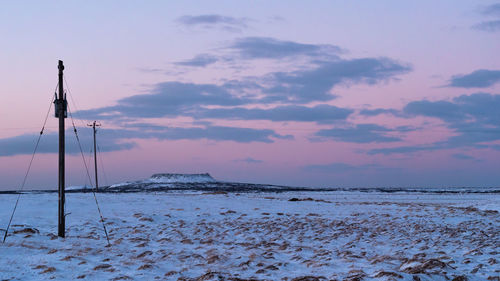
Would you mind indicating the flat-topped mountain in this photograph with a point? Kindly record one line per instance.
(170, 178)
(175, 181)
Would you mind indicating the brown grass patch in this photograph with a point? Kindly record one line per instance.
(48, 270)
(67, 258)
(145, 253)
(145, 266)
(104, 266)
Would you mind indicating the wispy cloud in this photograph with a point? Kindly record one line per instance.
(314, 84)
(462, 156)
(249, 160)
(172, 99)
(271, 48)
(219, 133)
(24, 144)
(378, 111)
(360, 133)
(279, 96)
(492, 25)
(491, 10)
(474, 119)
(124, 139)
(167, 99)
(292, 89)
(150, 70)
(200, 60)
(481, 78)
(338, 167)
(227, 23)
(320, 113)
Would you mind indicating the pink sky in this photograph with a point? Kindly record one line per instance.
(258, 92)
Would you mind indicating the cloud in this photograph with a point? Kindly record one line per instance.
(249, 160)
(481, 78)
(378, 111)
(271, 48)
(478, 108)
(220, 133)
(277, 96)
(320, 113)
(123, 139)
(462, 156)
(323, 69)
(167, 99)
(403, 149)
(215, 21)
(150, 70)
(315, 84)
(360, 133)
(489, 26)
(172, 99)
(474, 119)
(338, 167)
(200, 60)
(208, 132)
(24, 144)
(492, 10)
(444, 110)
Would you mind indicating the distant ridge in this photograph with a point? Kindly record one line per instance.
(204, 182)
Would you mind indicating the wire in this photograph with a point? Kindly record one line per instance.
(88, 163)
(72, 100)
(88, 174)
(102, 165)
(29, 168)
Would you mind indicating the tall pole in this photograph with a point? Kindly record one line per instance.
(60, 113)
(94, 125)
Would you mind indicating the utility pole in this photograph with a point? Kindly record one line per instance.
(61, 112)
(94, 125)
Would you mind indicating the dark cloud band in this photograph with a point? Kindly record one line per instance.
(481, 78)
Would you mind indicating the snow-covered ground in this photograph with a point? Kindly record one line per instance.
(254, 236)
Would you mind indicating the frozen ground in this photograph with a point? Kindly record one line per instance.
(255, 236)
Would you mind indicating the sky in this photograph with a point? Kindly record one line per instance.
(301, 93)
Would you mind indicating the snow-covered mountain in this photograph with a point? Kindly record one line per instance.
(172, 181)
(185, 178)
(166, 178)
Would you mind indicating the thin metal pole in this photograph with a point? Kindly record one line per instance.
(61, 102)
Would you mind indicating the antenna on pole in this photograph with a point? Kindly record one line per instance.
(94, 125)
(61, 112)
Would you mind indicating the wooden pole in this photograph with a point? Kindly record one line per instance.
(60, 113)
(95, 158)
(94, 125)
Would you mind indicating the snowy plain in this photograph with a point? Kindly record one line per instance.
(190, 235)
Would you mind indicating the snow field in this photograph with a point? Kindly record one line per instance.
(254, 236)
